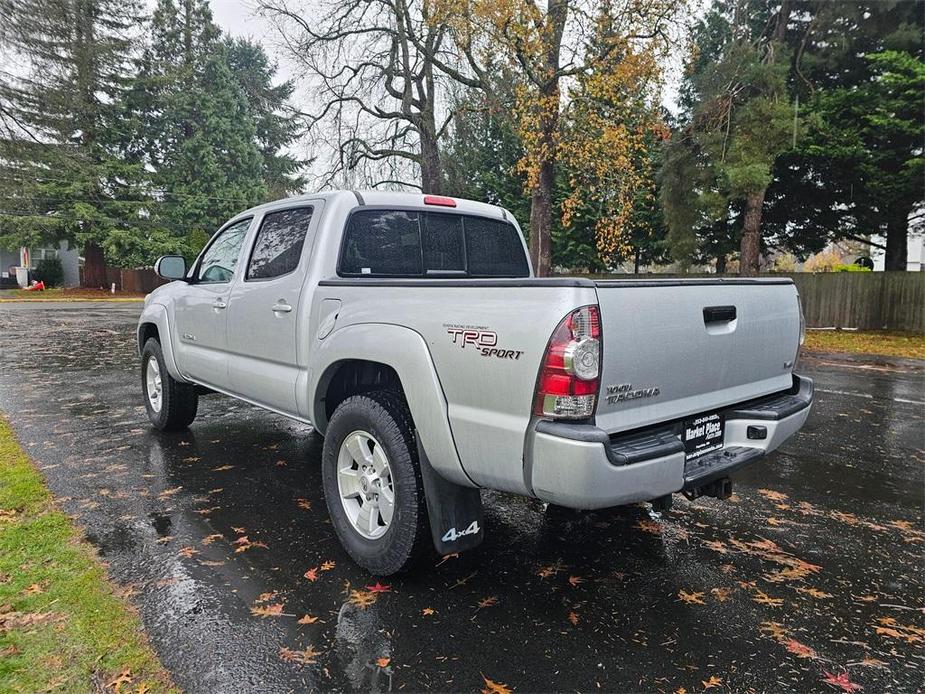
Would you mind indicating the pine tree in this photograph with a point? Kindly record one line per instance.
(60, 176)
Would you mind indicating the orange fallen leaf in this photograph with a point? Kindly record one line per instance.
(764, 599)
(328, 565)
(428, 611)
(492, 687)
(34, 589)
(720, 594)
(573, 618)
(383, 662)
(188, 552)
(307, 657)
(266, 597)
(311, 574)
(490, 601)
(772, 495)
(124, 677)
(575, 580)
(379, 588)
(275, 610)
(814, 593)
(362, 598)
(691, 598)
(209, 539)
(714, 681)
(649, 526)
(304, 504)
(890, 627)
(308, 619)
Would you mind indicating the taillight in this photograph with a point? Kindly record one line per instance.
(570, 376)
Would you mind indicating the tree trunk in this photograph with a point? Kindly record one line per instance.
(541, 219)
(721, 264)
(897, 239)
(750, 247)
(431, 175)
(94, 266)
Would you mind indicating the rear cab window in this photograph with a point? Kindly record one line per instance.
(411, 243)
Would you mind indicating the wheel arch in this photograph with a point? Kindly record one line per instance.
(154, 323)
(371, 356)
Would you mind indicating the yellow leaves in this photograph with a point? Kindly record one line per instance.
(695, 598)
(814, 593)
(492, 687)
(307, 657)
(775, 630)
(362, 598)
(328, 565)
(427, 611)
(889, 627)
(124, 677)
(714, 681)
(763, 598)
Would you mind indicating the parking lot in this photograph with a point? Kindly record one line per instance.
(809, 577)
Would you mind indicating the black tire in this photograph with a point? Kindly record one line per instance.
(384, 415)
(179, 401)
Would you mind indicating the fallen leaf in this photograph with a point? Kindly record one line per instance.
(814, 593)
(308, 619)
(379, 588)
(490, 601)
(188, 552)
(275, 610)
(362, 598)
(775, 629)
(168, 492)
(222, 468)
(304, 504)
(306, 657)
(311, 574)
(209, 539)
(573, 618)
(328, 565)
(720, 594)
(238, 531)
(714, 681)
(649, 526)
(124, 677)
(772, 495)
(383, 662)
(492, 687)
(800, 650)
(691, 598)
(764, 599)
(716, 546)
(428, 611)
(34, 589)
(890, 627)
(841, 681)
(575, 580)
(266, 597)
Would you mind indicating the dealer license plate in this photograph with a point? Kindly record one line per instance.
(703, 435)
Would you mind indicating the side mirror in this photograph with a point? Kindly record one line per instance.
(171, 267)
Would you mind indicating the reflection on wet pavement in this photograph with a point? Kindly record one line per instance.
(810, 577)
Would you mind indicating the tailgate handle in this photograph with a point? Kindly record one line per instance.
(718, 314)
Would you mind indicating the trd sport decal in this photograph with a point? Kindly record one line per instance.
(480, 338)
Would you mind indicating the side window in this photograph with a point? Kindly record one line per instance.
(279, 242)
(378, 242)
(493, 249)
(219, 260)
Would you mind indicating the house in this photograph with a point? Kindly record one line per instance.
(30, 257)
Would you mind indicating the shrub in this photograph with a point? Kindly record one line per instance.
(50, 271)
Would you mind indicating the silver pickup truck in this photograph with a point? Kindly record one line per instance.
(409, 331)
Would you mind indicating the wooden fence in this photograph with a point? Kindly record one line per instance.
(862, 300)
(141, 280)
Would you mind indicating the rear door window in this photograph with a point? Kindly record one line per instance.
(279, 243)
(399, 243)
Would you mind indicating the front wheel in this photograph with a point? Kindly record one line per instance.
(170, 404)
(372, 482)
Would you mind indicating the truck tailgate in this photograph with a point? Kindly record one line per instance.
(676, 348)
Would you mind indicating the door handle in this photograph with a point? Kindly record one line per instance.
(219, 303)
(719, 314)
(281, 307)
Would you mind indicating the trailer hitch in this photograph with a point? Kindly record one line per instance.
(720, 489)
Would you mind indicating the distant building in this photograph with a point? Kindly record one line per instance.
(30, 257)
(915, 258)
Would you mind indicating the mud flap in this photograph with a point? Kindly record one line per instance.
(455, 512)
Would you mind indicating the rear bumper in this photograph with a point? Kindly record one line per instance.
(581, 466)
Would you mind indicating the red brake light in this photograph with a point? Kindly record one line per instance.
(439, 200)
(569, 378)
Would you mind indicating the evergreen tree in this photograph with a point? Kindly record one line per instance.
(60, 175)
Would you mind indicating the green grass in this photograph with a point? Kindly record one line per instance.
(62, 626)
(880, 342)
(68, 295)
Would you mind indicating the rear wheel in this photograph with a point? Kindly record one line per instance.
(170, 404)
(372, 482)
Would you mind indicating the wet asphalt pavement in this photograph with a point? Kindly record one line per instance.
(810, 577)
